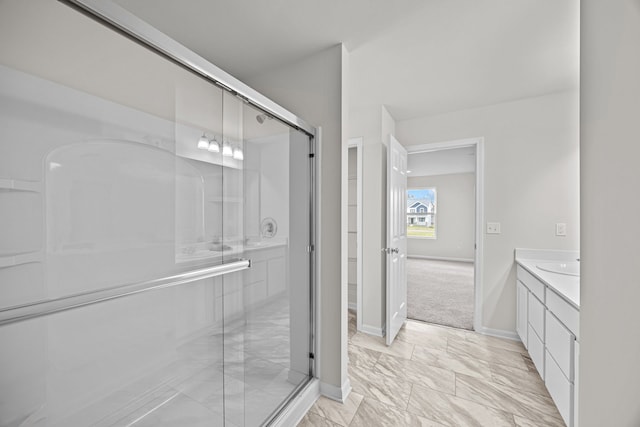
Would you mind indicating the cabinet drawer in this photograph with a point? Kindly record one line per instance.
(559, 342)
(536, 350)
(536, 315)
(533, 284)
(564, 311)
(256, 273)
(560, 389)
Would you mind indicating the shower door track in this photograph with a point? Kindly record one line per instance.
(43, 308)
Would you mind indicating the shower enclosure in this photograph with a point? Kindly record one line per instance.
(155, 244)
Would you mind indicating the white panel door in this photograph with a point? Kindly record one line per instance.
(396, 238)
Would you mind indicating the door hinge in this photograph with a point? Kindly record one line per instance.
(312, 356)
(312, 155)
(311, 248)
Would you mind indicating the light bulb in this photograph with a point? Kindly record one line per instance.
(214, 147)
(203, 142)
(237, 154)
(226, 149)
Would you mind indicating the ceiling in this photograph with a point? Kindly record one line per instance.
(442, 162)
(416, 57)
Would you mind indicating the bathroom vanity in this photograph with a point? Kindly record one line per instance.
(548, 321)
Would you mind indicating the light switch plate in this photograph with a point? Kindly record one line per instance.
(493, 228)
(561, 229)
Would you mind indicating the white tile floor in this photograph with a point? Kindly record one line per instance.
(438, 376)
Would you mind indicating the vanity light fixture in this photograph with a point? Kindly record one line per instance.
(203, 142)
(226, 149)
(213, 146)
(238, 154)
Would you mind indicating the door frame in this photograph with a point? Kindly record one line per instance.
(357, 143)
(478, 143)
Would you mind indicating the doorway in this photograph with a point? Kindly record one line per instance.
(444, 197)
(354, 231)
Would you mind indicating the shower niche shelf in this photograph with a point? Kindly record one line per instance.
(12, 260)
(20, 185)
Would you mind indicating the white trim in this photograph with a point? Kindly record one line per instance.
(339, 394)
(479, 235)
(500, 333)
(295, 411)
(446, 145)
(479, 254)
(317, 348)
(358, 144)
(441, 258)
(373, 330)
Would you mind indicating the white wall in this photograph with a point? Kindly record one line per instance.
(455, 216)
(531, 182)
(313, 88)
(374, 125)
(609, 125)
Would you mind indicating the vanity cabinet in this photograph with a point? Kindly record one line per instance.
(548, 326)
(267, 276)
(521, 321)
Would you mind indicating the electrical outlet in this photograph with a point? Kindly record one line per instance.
(493, 228)
(561, 229)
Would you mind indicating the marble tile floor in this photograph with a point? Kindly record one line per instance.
(235, 379)
(438, 376)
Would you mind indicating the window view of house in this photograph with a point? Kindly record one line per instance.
(421, 213)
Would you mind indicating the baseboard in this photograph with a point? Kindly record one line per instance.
(299, 406)
(500, 333)
(441, 258)
(339, 394)
(372, 330)
(353, 306)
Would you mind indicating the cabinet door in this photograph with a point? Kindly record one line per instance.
(560, 388)
(536, 350)
(576, 382)
(535, 313)
(276, 276)
(521, 322)
(559, 343)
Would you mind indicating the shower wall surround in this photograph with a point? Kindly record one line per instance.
(124, 295)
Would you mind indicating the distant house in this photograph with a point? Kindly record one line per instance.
(420, 212)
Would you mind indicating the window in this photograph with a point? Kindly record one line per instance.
(421, 201)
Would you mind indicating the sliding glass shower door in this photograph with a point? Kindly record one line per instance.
(155, 236)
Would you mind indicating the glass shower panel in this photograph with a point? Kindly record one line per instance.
(267, 307)
(143, 360)
(131, 190)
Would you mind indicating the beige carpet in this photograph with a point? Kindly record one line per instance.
(440, 292)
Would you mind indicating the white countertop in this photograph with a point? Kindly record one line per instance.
(567, 287)
(199, 252)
